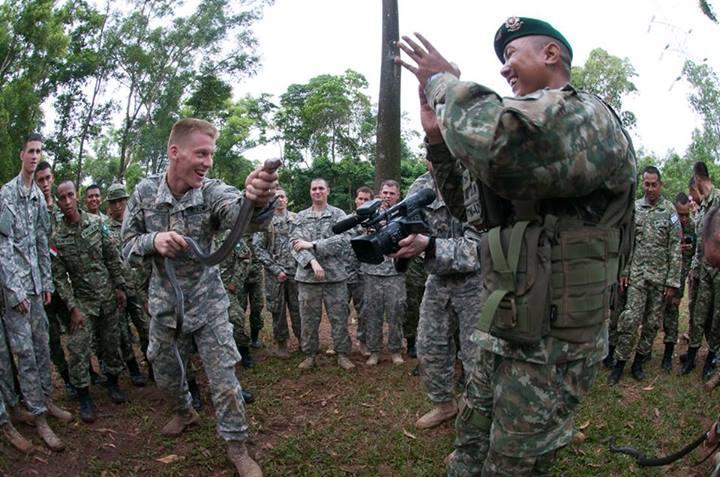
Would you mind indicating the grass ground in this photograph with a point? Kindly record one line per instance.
(328, 422)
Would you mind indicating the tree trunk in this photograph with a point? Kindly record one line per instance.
(387, 163)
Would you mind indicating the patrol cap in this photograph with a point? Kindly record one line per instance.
(116, 192)
(517, 27)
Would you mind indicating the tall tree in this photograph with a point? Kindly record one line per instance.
(387, 162)
(610, 77)
(704, 98)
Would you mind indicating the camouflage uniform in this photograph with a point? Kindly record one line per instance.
(273, 249)
(233, 271)
(567, 153)
(704, 318)
(26, 275)
(415, 278)
(7, 387)
(671, 313)
(87, 272)
(136, 299)
(252, 291)
(654, 266)
(356, 288)
(57, 313)
(200, 213)
(452, 298)
(384, 294)
(315, 226)
(618, 305)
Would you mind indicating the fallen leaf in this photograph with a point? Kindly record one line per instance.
(657, 412)
(41, 459)
(407, 434)
(584, 425)
(170, 458)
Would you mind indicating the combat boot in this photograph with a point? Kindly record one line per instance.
(70, 391)
(616, 373)
(363, 350)
(20, 415)
(180, 420)
(713, 382)
(87, 414)
(255, 340)
(689, 363)
(116, 394)
(397, 358)
(373, 359)
(344, 362)
(442, 412)
(16, 439)
(709, 366)
(47, 434)
(282, 350)
(307, 363)
(136, 376)
(57, 412)
(636, 371)
(244, 464)
(666, 363)
(247, 359)
(97, 379)
(609, 361)
(196, 398)
(411, 349)
(248, 397)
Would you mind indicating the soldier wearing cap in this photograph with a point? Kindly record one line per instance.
(136, 289)
(556, 173)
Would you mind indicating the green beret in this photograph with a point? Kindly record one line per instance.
(517, 27)
(116, 192)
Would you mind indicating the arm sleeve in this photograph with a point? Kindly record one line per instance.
(672, 279)
(260, 245)
(137, 242)
(456, 255)
(14, 289)
(62, 283)
(111, 258)
(303, 257)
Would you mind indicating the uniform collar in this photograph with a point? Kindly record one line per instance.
(191, 198)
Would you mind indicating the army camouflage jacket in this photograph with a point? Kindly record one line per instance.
(316, 226)
(273, 248)
(562, 150)
(688, 233)
(24, 251)
(87, 267)
(352, 264)
(235, 268)
(712, 200)
(135, 278)
(456, 243)
(200, 213)
(656, 253)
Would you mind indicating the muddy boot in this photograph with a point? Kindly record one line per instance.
(57, 412)
(11, 435)
(255, 340)
(20, 415)
(87, 414)
(442, 412)
(247, 359)
(344, 362)
(47, 434)
(180, 420)
(609, 361)
(248, 397)
(363, 350)
(136, 376)
(116, 394)
(709, 366)
(636, 371)
(244, 464)
(713, 382)
(307, 363)
(666, 363)
(282, 350)
(373, 359)
(197, 402)
(397, 359)
(689, 363)
(411, 350)
(97, 379)
(616, 373)
(70, 391)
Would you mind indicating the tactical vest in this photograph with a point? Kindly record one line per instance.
(548, 274)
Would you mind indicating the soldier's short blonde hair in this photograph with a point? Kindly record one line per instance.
(185, 127)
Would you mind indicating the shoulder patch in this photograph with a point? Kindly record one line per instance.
(674, 219)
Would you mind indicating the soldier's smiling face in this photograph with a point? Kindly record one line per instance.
(652, 187)
(192, 158)
(92, 200)
(319, 191)
(524, 68)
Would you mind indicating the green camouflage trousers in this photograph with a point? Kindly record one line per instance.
(645, 304)
(671, 314)
(135, 313)
(311, 297)
(384, 301)
(30, 343)
(57, 313)
(236, 316)
(103, 325)
(282, 297)
(515, 415)
(219, 355)
(706, 316)
(356, 289)
(619, 301)
(253, 291)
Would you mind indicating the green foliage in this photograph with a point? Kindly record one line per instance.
(704, 98)
(609, 77)
(708, 10)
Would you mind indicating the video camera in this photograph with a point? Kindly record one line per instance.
(385, 227)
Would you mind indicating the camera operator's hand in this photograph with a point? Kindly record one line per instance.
(318, 270)
(412, 246)
(300, 245)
